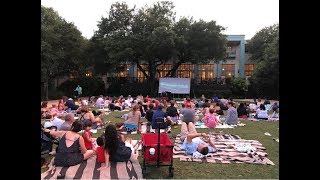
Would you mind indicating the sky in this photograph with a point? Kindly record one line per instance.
(239, 17)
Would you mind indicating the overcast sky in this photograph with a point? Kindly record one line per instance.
(244, 17)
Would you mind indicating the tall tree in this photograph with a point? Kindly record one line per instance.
(62, 47)
(150, 35)
(111, 41)
(264, 47)
(198, 42)
(261, 40)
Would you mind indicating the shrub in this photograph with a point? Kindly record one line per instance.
(90, 86)
(238, 86)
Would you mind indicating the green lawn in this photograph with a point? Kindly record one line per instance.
(253, 130)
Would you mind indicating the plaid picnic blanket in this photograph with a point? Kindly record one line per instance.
(226, 153)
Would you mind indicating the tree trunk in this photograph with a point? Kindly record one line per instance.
(173, 70)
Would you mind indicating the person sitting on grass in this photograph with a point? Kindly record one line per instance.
(159, 114)
(261, 113)
(149, 113)
(87, 115)
(68, 120)
(191, 142)
(275, 110)
(116, 148)
(172, 112)
(133, 119)
(210, 119)
(232, 115)
(188, 114)
(71, 150)
(242, 111)
(217, 109)
(100, 150)
(87, 137)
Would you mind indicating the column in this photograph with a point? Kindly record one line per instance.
(242, 59)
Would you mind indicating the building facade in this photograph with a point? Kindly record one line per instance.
(236, 65)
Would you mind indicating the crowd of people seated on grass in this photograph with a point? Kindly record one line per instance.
(79, 147)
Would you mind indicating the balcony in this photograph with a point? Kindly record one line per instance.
(232, 54)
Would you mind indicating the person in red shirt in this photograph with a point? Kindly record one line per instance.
(88, 141)
(148, 99)
(188, 103)
(100, 150)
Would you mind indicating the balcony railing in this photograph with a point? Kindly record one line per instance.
(232, 54)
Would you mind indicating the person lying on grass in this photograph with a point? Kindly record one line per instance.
(117, 149)
(192, 142)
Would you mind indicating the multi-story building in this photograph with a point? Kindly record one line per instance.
(236, 65)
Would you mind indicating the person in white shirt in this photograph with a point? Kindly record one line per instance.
(262, 113)
(100, 101)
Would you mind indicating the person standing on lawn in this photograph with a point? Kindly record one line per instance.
(79, 90)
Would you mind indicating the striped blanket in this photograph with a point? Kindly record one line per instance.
(89, 169)
(226, 153)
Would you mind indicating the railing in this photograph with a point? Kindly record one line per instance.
(232, 53)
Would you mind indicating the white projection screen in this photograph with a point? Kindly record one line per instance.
(175, 85)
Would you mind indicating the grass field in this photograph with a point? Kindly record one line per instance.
(254, 130)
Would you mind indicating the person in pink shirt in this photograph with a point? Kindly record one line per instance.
(210, 119)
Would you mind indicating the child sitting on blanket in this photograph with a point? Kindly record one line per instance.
(88, 141)
(210, 119)
(100, 150)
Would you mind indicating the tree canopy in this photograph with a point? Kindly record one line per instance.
(264, 47)
(150, 35)
(63, 49)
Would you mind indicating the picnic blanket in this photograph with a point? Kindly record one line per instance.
(254, 119)
(145, 128)
(219, 126)
(227, 152)
(88, 169)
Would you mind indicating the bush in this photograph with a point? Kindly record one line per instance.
(238, 86)
(55, 94)
(90, 86)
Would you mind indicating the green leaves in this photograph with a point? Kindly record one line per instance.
(264, 47)
(151, 35)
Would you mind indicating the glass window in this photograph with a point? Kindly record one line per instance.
(228, 70)
(205, 71)
(164, 69)
(185, 71)
(123, 71)
(141, 76)
(248, 69)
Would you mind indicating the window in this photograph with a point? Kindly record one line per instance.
(123, 71)
(185, 70)
(89, 73)
(228, 70)
(164, 69)
(205, 71)
(141, 76)
(248, 69)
